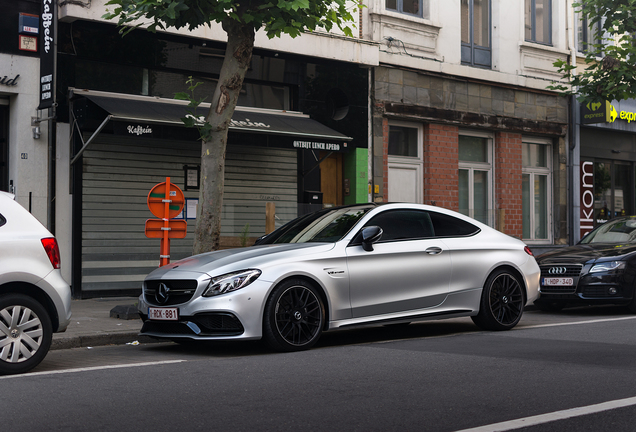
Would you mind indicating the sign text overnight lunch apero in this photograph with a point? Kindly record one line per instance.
(316, 145)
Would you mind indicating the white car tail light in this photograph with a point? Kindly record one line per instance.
(52, 250)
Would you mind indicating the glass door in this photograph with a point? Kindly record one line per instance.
(613, 190)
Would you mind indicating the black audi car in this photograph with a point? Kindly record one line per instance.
(600, 269)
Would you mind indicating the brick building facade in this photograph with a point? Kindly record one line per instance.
(494, 152)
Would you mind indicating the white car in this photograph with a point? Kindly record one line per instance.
(35, 301)
(344, 267)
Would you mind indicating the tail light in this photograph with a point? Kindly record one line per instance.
(52, 250)
(528, 251)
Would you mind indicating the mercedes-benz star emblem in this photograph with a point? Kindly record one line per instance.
(557, 270)
(162, 293)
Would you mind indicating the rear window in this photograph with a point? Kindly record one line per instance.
(2, 220)
(449, 226)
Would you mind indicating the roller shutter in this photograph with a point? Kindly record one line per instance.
(119, 172)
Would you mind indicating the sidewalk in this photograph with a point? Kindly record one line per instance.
(91, 325)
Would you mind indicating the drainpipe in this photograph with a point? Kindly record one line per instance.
(574, 147)
(370, 158)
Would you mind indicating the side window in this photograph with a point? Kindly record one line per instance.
(538, 21)
(449, 226)
(411, 7)
(403, 225)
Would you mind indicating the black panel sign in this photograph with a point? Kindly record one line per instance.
(48, 23)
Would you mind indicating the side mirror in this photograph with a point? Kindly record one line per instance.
(370, 235)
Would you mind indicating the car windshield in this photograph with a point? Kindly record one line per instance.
(617, 232)
(329, 225)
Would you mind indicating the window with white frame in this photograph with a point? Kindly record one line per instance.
(475, 177)
(536, 190)
(538, 21)
(417, 8)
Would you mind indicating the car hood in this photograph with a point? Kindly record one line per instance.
(219, 262)
(582, 253)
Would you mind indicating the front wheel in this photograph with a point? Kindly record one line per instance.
(502, 302)
(25, 333)
(294, 316)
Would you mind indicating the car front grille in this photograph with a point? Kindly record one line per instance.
(205, 324)
(178, 291)
(571, 270)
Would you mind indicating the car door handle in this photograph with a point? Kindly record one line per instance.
(433, 250)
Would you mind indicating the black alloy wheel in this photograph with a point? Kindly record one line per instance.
(502, 302)
(294, 316)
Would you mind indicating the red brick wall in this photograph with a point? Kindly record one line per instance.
(441, 180)
(508, 171)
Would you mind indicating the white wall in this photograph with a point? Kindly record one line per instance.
(28, 157)
(435, 44)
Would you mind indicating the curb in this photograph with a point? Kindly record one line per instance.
(99, 340)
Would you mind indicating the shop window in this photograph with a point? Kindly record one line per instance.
(475, 173)
(410, 7)
(538, 21)
(476, 35)
(536, 191)
(613, 190)
(587, 35)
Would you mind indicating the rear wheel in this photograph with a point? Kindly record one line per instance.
(25, 333)
(294, 316)
(502, 302)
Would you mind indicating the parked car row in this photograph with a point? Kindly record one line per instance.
(358, 265)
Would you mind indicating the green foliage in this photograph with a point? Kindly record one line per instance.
(192, 120)
(276, 17)
(609, 73)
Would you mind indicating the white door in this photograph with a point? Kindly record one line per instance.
(405, 182)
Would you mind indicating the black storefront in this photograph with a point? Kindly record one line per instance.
(127, 136)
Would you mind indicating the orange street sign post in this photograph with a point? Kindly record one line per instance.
(165, 201)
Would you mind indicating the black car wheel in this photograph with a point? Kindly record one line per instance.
(25, 333)
(294, 316)
(502, 302)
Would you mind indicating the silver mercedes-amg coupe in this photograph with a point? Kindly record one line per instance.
(343, 267)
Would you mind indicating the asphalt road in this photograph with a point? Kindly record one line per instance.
(548, 374)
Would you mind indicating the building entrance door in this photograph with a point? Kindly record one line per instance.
(405, 182)
(331, 180)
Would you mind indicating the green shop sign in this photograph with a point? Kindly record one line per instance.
(600, 112)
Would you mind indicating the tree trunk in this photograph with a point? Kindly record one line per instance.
(237, 58)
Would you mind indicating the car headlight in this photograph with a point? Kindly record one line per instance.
(231, 282)
(607, 266)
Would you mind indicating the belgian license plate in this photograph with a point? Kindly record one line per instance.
(163, 314)
(562, 281)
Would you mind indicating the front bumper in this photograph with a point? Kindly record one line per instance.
(612, 287)
(236, 315)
